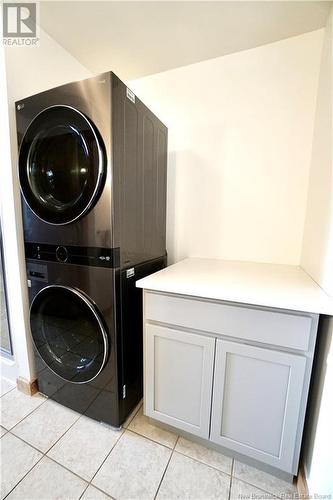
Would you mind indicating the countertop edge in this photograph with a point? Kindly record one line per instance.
(237, 300)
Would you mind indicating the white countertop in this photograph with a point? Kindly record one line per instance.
(270, 285)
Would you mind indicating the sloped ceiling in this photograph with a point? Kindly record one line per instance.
(135, 39)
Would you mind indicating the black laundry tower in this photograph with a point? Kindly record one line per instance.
(92, 168)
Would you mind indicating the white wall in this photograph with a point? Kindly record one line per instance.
(317, 255)
(7, 364)
(317, 260)
(240, 134)
(29, 70)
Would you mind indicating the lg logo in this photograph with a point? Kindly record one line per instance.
(19, 20)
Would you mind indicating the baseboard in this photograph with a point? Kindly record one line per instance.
(301, 483)
(29, 388)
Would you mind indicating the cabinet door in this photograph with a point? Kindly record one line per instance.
(256, 402)
(179, 377)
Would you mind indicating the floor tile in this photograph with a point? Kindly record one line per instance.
(132, 415)
(15, 406)
(141, 425)
(2, 431)
(93, 493)
(239, 489)
(45, 425)
(204, 454)
(133, 469)
(84, 447)
(188, 479)
(262, 480)
(49, 481)
(6, 386)
(17, 458)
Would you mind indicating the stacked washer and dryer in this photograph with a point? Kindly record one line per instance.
(92, 169)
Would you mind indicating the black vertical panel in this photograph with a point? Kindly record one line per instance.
(149, 179)
(140, 190)
(129, 182)
(160, 186)
(131, 338)
(139, 143)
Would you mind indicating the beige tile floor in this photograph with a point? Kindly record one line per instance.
(50, 452)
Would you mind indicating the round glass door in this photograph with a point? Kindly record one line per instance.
(61, 165)
(68, 333)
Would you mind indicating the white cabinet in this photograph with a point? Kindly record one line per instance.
(234, 374)
(178, 378)
(256, 401)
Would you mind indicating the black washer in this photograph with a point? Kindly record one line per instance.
(68, 333)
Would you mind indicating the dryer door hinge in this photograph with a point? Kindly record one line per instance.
(124, 391)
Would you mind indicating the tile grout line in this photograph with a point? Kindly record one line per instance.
(264, 491)
(124, 429)
(80, 415)
(280, 496)
(7, 392)
(135, 414)
(62, 435)
(97, 488)
(231, 476)
(166, 468)
(151, 440)
(83, 492)
(64, 466)
(33, 446)
(103, 462)
(204, 463)
(27, 415)
(44, 454)
(25, 475)
(25, 442)
(173, 450)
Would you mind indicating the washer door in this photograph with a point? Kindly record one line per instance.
(61, 165)
(68, 333)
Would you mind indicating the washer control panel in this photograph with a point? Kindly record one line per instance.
(86, 256)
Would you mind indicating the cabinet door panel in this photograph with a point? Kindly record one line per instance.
(179, 375)
(256, 402)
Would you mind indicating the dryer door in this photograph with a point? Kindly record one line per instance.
(69, 333)
(61, 165)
